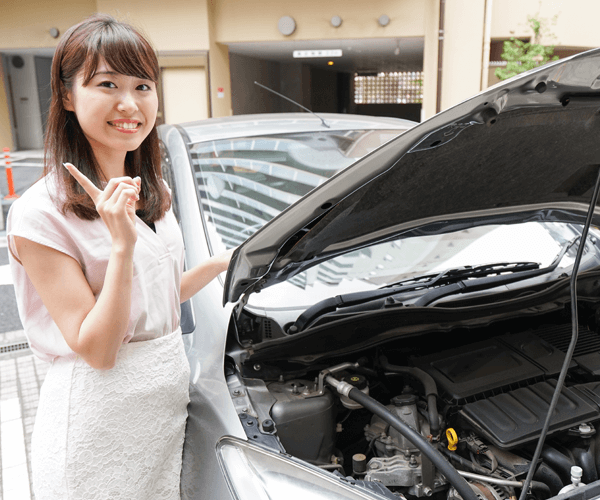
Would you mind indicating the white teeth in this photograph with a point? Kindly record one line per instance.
(129, 126)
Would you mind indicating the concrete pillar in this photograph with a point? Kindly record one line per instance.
(218, 67)
(6, 140)
(430, 58)
(463, 50)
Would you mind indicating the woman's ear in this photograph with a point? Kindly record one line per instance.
(67, 98)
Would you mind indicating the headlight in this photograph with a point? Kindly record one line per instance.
(254, 473)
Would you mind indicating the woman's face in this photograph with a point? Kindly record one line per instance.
(116, 112)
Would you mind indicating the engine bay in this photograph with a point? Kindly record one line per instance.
(479, 396)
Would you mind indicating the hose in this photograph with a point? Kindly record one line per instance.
(559, 462)
(409, 433)
(493, 459)
(428, 385)
(597, 450)
(467, 464)
(537, 485)
(585, 460)
(548, 476)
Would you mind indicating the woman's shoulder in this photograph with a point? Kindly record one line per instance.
(41, 195)
(38, 205)
(36, 216)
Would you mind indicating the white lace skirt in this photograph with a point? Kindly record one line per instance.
(113, 434)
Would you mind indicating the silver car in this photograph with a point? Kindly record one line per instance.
(401, 315)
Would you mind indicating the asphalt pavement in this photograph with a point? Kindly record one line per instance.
(21, 373)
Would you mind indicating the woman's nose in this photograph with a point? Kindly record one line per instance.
(127, 103)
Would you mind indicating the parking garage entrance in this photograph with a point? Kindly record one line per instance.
(378, 77)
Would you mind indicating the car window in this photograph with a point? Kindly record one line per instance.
(245, 182)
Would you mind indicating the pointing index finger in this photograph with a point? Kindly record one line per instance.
(87, 185)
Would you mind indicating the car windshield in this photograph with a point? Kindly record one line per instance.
(392, 261)
(244, 182)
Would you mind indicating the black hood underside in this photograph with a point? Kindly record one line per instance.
(527, 146)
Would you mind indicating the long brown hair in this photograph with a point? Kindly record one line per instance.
(129, 53)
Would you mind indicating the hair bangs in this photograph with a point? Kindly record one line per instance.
(123, 49)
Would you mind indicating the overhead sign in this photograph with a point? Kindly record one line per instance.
(318, 53)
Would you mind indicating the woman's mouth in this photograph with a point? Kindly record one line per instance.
(126, 126)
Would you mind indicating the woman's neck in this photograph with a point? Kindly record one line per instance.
(111, 162)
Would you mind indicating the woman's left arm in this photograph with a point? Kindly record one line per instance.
(198, 277)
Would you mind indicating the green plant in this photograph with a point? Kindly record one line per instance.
(522, 56)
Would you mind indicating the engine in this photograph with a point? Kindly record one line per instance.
(482, 405)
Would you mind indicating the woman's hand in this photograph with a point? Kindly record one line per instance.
(223, 259)
(198, 277)
(115, 204)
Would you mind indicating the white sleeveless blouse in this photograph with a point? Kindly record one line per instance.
(157, 261)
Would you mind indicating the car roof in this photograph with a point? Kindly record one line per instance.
(284, 123)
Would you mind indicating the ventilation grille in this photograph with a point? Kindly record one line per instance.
(268, 329)
(450, 399)
(559, 336)
(14, 347)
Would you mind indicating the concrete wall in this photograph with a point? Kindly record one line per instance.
(576, 20)
(291, 80)
(248, 98)
(256, 20)
(26, 23)
(177, 25)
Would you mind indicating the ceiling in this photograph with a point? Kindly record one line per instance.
(359, 55)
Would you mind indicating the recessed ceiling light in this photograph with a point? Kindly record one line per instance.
(384, 20)
(336, 21)
(286, 25)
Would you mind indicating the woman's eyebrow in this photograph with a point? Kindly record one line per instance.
(106, 73)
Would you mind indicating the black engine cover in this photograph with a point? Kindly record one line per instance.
(517, 417)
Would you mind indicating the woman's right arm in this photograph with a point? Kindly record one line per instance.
(94, 329)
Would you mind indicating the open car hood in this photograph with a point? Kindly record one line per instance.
(525, 149)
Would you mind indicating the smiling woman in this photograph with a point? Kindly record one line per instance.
(97, 258)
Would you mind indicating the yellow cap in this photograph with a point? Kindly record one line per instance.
(452, 439)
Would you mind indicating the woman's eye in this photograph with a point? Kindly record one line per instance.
(143, 86)
(109, 85)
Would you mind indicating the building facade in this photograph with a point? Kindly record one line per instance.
(406, 58)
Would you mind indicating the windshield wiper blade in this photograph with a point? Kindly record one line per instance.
(455, 275)
(458, 273)
(462, 286)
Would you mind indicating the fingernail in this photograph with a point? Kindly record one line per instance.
(65, 165)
